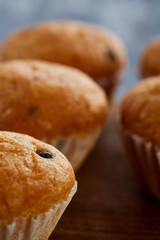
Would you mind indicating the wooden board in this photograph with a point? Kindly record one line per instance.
(109, 204)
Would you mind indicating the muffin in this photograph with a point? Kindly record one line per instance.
(140, 121)
(36, 185)
(56, 104)
(95, 51)
(149, 62)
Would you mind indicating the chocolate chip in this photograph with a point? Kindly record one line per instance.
(45, 154)
(32, 110)
(111, 55)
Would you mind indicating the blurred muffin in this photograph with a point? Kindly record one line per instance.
(150, 59)
(36, 185)
(56, 104)
(95, 51)
(140, 121)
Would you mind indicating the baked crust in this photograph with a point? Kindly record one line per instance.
(149, 62)
(140, 110)
(93, 50)
(48, 100)
(29, 183)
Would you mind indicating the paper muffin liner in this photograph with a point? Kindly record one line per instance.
(145, 160)
(75, 148)
(109, 84)
(29, 228)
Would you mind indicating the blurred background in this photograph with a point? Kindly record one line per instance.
(136, 22)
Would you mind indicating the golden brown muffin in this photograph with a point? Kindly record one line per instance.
(150, 59)
(34, 176)
(47, 100)
(140, 110)
(53, 103)
(140, 121)
(93, 50)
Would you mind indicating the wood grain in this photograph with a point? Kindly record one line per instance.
(109, 204)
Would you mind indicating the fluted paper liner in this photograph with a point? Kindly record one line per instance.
(75, 148)
(109, 84)
(145, 159)
(28, 228)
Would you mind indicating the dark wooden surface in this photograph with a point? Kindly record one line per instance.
(109, 204)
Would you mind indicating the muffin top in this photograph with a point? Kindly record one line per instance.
(149, 62)
(46, 100)
(30, 183)
(89, 48)
(140, 110)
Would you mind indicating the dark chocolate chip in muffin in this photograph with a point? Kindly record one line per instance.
(45, 154)
(32, 110)
(111, 55)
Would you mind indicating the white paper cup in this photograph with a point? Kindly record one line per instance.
(145, 159)
(109, 84)
(28, 228)
(75, 148)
